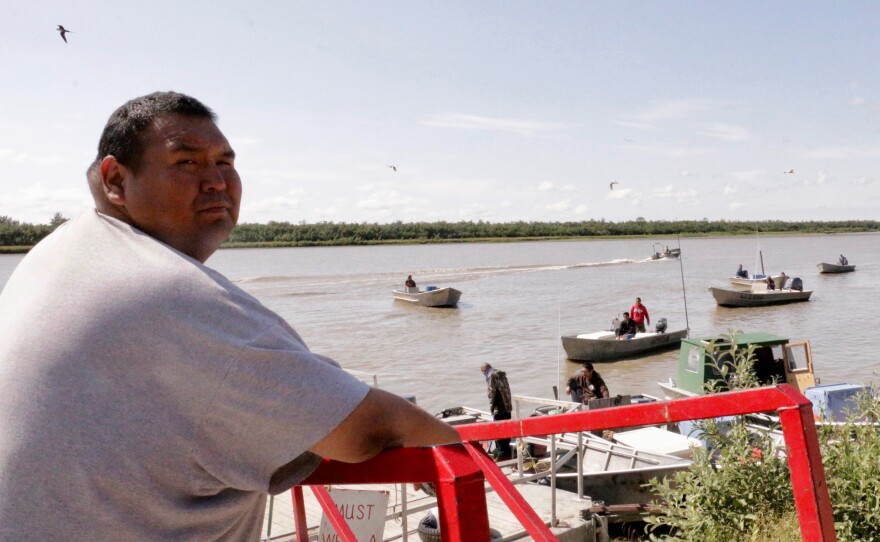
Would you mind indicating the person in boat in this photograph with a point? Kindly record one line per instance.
(843, 260)
(627, 329)
(639, 315)
(771, 285)
(586, 384)
(741, 273)
(166, 401)
(500, 405)
(782, 279)
(410, 283)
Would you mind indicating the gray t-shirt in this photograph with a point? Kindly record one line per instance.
(145, 397)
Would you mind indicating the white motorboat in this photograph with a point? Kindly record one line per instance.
(429, 297)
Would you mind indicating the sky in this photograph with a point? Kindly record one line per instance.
(491, 110)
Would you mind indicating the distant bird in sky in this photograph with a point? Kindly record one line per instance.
(393, 167)
(789, 171)
(63, 31)
(611, 184)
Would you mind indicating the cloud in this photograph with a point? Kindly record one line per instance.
(467, 212)
(844, 152)
(326, 212)
(547, 186)
(670, 151)
(729, 189)
(472, 122)
(560, 206)
(389, 200)
(671, 110)
(37, 203)
(244, 142)
(274, 208)
(727, 132)
(857, 101)
(750, 175)
(18, 157)
(735, 205)
(680, 196)
(861, 181)
(304, 176)
(620, 193)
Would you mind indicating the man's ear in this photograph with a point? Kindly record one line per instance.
(113, 178)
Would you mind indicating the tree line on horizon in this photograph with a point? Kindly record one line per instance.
(14, 233)
(344, 233)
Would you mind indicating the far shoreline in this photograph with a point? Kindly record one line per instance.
(283, 244)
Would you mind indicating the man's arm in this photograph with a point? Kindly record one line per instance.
(382, 421)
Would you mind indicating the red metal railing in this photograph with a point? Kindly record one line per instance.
(459, 471)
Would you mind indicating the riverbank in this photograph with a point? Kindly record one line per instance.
(428, 241)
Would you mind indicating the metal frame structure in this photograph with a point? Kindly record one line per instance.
(460, 470)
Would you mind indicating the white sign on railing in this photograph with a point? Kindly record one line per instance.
(364, 511)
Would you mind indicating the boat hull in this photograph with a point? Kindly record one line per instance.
(603, 346)
(742, 298)
(834, 268)
(441, 297)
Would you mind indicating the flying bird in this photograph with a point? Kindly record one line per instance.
(393, 167)
(789, 171)
(611, 184)
(63, 31)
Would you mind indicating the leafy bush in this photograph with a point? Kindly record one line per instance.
(850, 454)
(739, 487)
(736, 482)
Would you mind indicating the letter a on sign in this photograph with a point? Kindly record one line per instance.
(364, 511)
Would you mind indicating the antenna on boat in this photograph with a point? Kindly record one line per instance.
(760, 256)
(687, 324)
(558, 332)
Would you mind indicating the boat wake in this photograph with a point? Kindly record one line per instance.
(298, 285)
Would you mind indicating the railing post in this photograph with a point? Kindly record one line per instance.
(461, 496)
(299, 514)
(404, 514)
(553, 521)
(580, 460)
(811, 496)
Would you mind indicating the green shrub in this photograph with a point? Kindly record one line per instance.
(739, 487)
(851, 455)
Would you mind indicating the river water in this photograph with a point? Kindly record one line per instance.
(518, 298)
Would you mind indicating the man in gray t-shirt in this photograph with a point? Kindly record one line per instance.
(142, 395)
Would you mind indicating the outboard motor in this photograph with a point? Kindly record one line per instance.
(797, 284)
(661, 325)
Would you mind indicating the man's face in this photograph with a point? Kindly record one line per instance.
(186, 191)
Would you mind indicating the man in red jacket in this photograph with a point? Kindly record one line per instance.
(639, 315)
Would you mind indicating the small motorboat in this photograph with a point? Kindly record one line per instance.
(431, 296)
(604, 346)
(835, 268)
(666, 252)
(758, 296)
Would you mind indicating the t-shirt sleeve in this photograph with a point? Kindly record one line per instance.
(275, 402)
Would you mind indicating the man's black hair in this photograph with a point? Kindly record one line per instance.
(122, 135)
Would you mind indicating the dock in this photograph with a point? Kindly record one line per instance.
(406, 507)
